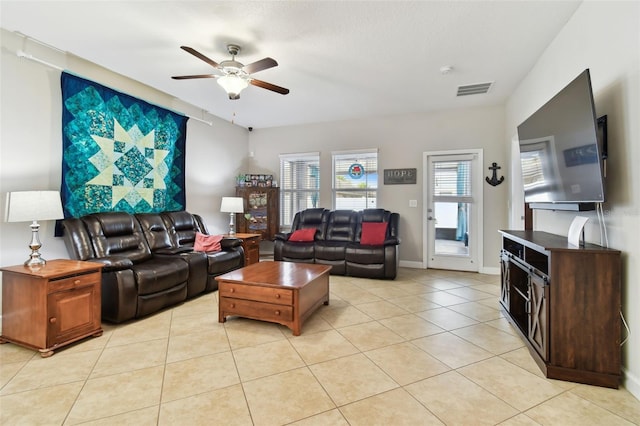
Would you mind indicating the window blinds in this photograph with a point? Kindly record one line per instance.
(451, 181)
(299, 184)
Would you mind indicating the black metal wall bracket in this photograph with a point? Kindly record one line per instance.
(494, 181)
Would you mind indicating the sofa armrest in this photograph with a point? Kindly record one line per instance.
(229, 243)
(392, 241)
(174, 250)
(283, 236)
(114, 263)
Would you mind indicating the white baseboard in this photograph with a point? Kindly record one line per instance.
(419, 265)
(411, 264)
(490, 270)
(631, 383)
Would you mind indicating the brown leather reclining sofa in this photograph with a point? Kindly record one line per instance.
(338, 242)
(149, 262)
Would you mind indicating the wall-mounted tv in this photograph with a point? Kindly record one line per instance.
(561, 150)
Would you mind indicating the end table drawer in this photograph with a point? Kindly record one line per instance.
(258, 293)
(252, 243)
(257, 310)
(74, 281)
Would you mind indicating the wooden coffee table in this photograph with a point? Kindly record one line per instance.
(286, 293)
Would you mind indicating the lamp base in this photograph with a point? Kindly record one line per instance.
(35, 261)
(232, 223)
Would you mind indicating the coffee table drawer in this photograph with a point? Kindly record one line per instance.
(257, 310)
(253, 292)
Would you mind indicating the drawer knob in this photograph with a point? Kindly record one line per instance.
(76, 282)
(53, 320)
(233, 305)
(277, 296)
(231, 290)
(277, 312)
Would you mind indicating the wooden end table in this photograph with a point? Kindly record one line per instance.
(286, 293)
(51, 306)
(250, 245)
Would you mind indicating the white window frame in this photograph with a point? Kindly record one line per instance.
(370, 202)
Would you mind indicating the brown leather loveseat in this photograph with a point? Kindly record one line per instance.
(149, 262)
(338, 239)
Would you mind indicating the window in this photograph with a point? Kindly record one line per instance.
(299, 184)
(355, 180)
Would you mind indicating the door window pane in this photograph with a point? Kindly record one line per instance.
(452, 228)
(452, 200)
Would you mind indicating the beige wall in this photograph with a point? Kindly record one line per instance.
(400, 141)
(604, 37)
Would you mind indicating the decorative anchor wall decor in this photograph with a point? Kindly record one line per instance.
(494, 181)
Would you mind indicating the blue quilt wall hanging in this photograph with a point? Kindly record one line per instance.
(119, 153)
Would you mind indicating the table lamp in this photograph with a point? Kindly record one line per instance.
(232, 205)
(25, 206)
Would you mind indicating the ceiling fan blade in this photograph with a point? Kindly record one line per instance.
(269, 86)
(260, 65)
(199, 55)
(186, 77)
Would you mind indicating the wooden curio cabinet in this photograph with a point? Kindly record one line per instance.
(263, 206)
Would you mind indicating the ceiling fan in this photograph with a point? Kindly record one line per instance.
(235, 76)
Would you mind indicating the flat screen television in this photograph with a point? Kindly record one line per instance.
(561, 151)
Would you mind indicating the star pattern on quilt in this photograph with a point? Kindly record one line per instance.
(129, 164)
(120, 153)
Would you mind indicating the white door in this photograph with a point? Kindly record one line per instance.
(453, 210)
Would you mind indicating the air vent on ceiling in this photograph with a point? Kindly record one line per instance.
(474, 89)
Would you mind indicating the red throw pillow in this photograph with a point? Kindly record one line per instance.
(303, 235)
(373, 233)
(207, 243)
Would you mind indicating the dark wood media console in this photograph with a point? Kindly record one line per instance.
(565, 301)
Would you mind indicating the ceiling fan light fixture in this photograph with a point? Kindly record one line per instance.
(233, 85)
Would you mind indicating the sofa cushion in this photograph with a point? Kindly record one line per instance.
(303, 251)
(342, 225)
(117, 233)
(182, 227)
(330, 250)
(207, 243)
(159, 274)
(155, 231)
(303, 235)
(366, 255)
(373, 233)
(311, 218)
(224, 261)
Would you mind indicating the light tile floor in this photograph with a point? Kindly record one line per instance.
(430, 347)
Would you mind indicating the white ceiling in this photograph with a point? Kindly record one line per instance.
(340, 59)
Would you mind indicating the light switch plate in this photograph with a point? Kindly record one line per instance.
(413, 203)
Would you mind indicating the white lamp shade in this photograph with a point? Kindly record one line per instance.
(232, 205)
(232, 84)
(27, 206)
